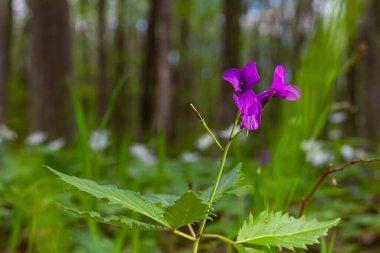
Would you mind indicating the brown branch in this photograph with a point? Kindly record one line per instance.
(331, 170)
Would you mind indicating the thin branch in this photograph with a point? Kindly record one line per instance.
(203, 122)
(331, 170)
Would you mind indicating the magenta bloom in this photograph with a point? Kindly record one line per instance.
(249, 104)
(279, 88)
(242, 80)
(245, 99)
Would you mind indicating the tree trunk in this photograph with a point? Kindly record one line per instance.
(49, 66)
(368, 87)
(6, 23)
(120, 57)
(148, 74)
(86, 73)
(183, 89)
(164, 92)
(231, 53)
(103, 89)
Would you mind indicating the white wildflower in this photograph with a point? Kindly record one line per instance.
(56, 145)
(204, 142)
(319, 157)
(315, 155)
(189, 157)
(225, 134)
(36, 138)
(347, 152)
(141, 152)
(310, 145)
(338, 117)
(99, 140)
(6, 133)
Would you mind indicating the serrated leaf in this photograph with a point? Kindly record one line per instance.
(255, 249)
(186, 210)
(164, 200)
(280, 230)
(125, 198)
(242, 249)
(227, 183)
(117, 220)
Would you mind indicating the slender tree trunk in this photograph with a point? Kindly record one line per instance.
(103, 89)
(148, 74)
(231, 52)
(120, 56)
(6, 23)
(368, 88)
(86, 72)
(304, 11)
(183, 88)
(49, 66)
(164, 92)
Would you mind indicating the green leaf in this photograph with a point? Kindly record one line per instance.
(280, 230)
(125, 198)
(242, 249)
(116, 220)
(227, 184)
(164, 200)
(186, 210)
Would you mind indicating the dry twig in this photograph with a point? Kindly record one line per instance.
(331, 170)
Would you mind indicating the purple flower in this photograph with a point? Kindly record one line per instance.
(242, 80)
(245, 99)
(265, 157)
(250, 108)
(249, 104)
(279, 88)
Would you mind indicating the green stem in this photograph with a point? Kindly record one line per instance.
(220, 237)
(212, 196)
(175, 231)
(195, 245)
(211, 134)
(235, 124)
(215, 185)
(191, 230)
(203, 122)
(237, 134)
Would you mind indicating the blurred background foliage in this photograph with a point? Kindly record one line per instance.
(101, 89)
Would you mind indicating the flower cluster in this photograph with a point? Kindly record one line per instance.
(249, 104)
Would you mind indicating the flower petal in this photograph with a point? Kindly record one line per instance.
(264, 96)
(291, 92)
(249, 75)
(250, 108)
(279, 77)
(244, 100)
(252, 120)
(233, 76)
